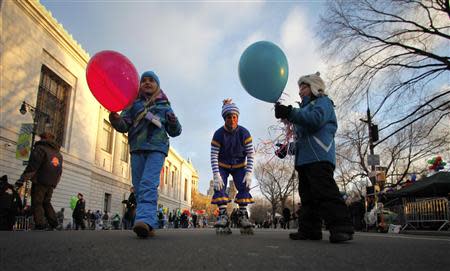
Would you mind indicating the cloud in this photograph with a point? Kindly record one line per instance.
(195, 49)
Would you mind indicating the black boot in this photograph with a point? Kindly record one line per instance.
(339, 237)
(340, 234)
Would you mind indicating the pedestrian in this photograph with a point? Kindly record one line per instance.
(315, 159)
(130, 212)
(116, 221)
(88, 219)
(147, 121)
(60, 219)
(194, 220)
(232, 154)
(10, 205)
(105, 220)
(286, 217)
(170, 220)
(44, 169)
(78, 214)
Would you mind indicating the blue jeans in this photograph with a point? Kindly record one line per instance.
(146, 169)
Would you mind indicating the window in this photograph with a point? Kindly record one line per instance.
(161, 177)
(107, 203)
(166, 175)
(185, 189)
(51, 105)
(124, 153)
(107, 133)
(174, 176)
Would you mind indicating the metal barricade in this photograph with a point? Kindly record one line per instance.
(23, 223)
(432, 210)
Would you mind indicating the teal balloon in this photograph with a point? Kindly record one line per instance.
(263, 71)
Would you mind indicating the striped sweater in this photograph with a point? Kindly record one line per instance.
(232, 149)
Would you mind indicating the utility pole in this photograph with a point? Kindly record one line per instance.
(372, 159)
(371, 146)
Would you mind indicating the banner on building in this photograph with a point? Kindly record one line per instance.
(24, 142)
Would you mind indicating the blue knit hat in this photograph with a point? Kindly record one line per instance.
(229, 107)
(152, 75)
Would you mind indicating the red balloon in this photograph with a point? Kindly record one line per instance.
(113, 80)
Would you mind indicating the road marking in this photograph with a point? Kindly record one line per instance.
(274, 247)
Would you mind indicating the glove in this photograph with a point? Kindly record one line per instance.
(114, 115)
(282, 111)
(282, 150)
(171, 118)
(218, 182)
(248, 179)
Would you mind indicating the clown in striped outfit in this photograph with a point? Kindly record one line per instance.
(232, 154)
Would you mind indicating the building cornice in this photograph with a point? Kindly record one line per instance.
(45, 19)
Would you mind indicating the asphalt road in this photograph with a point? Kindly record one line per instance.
(202, 249)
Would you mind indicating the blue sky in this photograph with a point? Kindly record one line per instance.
(194, 47)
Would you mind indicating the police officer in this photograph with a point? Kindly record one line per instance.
(44, 170)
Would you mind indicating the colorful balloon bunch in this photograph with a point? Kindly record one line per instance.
(436, 163)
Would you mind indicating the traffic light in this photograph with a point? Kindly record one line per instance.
(373, 132)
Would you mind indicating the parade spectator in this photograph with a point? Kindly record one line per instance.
(286, 218)
(78, 214)
(44, 169)
(92, 220)
(170, 220)
(116, 221)
(98, 220)
(147, 121)
(315, 126)
(60, 219)
(130, 212)
(194, 220)
(105, 220)
(160, 220)
(176, 221)
(89, 221)
(10, 205)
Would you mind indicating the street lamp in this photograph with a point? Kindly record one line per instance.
(36, 113)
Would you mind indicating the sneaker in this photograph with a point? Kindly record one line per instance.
(143, 230)
(299, 235)
(339, 237)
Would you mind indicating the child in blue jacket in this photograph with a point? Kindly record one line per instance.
(315, 159)
(148, 122)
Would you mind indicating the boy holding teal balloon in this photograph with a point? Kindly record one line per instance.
(148, 121)
(315, 159)
(232, 154)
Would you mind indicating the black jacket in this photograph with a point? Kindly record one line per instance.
(79, 211)
(45, 164)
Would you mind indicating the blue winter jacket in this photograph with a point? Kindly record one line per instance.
(315, 126)
(143, 135)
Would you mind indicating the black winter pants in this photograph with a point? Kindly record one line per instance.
(41, 196)
(321, 199)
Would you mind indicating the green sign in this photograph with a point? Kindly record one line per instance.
(24, 142)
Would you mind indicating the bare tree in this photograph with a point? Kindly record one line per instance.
(277, 180)
(394, 53)
(401, 155)
(259, 210)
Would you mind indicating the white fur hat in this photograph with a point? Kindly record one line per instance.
(315, 82)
